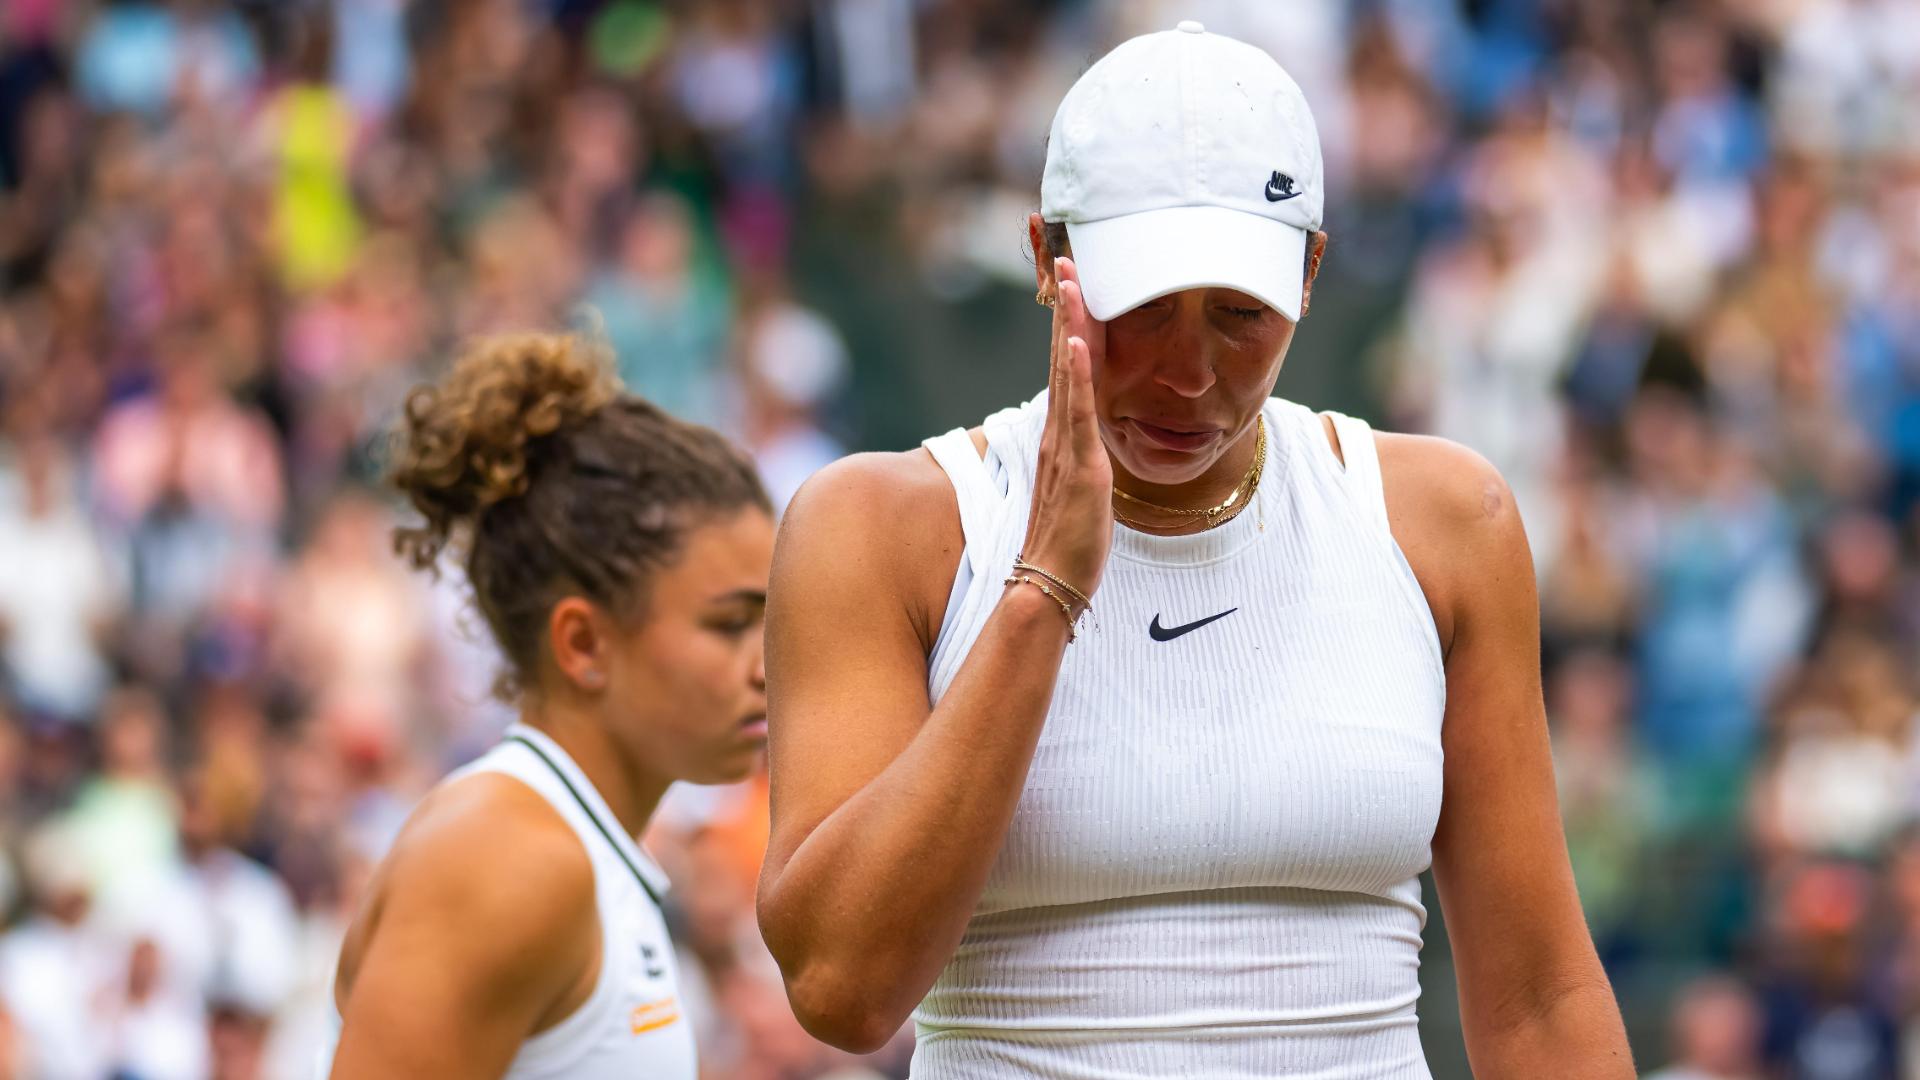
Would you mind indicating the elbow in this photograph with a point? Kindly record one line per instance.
(843, 993)
(842, 1013)
(1554, 1008)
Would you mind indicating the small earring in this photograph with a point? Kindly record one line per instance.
(1040, 297)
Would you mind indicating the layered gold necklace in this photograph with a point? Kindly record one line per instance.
(1219, 513)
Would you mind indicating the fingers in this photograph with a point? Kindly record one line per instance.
(1080, 377)
(1076, 337)
(1080, 414)
(1057, 350)
(1058, 356)
(1065, 269)
(1072, 309)
(1072, 306)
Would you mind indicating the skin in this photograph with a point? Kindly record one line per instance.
(888, 814)
(479, 929)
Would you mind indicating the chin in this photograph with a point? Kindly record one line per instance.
(1156, 464)
(1166, 468)
(733, 764)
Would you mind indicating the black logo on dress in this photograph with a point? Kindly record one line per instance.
(1168, 633)
(651, 961)
(1280, 188)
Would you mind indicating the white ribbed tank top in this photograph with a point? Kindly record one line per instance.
(631, 1025)
(1212, 870)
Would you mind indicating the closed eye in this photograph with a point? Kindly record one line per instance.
(1244, 312)
(734, 625)
(736, 613)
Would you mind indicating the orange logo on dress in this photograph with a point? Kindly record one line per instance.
(654, 1015)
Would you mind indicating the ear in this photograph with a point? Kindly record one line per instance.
(1316, 247)
(579, 639)
(1043, 278)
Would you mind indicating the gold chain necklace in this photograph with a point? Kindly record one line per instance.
(1150, 526)
(1219, 513)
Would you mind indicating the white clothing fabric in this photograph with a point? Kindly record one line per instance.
(632, 1023)
(229, 927)
(56, 584)
(163, 1037)
(1212, 870)
(52, 979)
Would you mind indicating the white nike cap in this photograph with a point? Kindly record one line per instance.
(1185, 160)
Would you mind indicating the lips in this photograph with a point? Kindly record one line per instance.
(754, 727)
(1174, 439)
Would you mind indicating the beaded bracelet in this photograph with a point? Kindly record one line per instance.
(1038, 583)
(1086, 602)
(1020, 563)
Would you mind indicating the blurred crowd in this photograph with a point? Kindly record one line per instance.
(1660, 262)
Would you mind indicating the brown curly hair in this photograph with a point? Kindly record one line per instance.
(552, 482)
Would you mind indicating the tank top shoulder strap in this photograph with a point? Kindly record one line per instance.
(1362, 472)
(530, 756)
(1013, 439)
(973, 489)
(992, 492)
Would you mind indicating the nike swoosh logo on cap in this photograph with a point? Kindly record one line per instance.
(1168, 633)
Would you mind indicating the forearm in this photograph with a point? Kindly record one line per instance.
(1574, 1033)
(879, 893)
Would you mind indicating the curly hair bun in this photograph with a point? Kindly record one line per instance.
(469, 441)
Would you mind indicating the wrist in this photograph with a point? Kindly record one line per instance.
(1030, 607)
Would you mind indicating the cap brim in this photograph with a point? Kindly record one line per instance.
(1126, 261)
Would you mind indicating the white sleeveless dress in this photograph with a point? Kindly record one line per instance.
(632, 1024)
(1212, 870)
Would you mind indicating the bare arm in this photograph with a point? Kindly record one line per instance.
(1533, 998)
(888, 815)
(482, 932)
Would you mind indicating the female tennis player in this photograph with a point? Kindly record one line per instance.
(1114, 747)
(620, 559)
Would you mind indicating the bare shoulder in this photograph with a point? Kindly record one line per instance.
(1444, 484)
(890, 519)
(1434, 484)
(492, 833)
(1454, 517)
(859, 487)
(488, 877)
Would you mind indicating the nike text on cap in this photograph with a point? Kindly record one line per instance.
(1184, 160)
